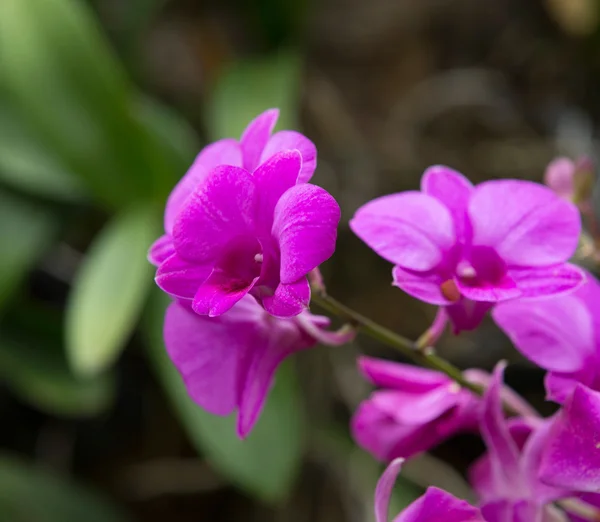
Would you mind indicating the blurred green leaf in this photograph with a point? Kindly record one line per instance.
(266, 463)
(32, 494)
(27, 165)
(174, 137)
(26, 231)
(62, 78)
(109, 290)
(42, 378)
(250, 87)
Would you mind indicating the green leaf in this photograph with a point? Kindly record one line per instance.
(267, 462)
(32, 494)
(250, 87)
(109, 291)
(173, 137)
(40, 376)
(26, 231)
(27, 165)
(60, 75)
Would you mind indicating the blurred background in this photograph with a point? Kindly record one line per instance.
(103, 106)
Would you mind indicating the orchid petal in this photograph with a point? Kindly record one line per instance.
(436, 505)
(490, 292)
(572, 456)
(206, 354)
(306, 220)
(161, 250)
(426, 286)
(181, 279)
(503, 453)
(410, 229)
(547, 281)
(218, 210)
(222, 152)
(255, 137)
(556, 334)
(525, 222)
(453, 190)
(383, 491)
(289, 299)
(281, 342)
(292, 140)
(272, 179)
(559, 176)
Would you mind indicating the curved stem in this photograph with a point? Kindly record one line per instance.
(408, 348)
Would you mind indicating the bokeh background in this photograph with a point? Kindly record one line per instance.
(103, 106)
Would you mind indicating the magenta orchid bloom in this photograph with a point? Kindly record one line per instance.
(571, 458)
(228, 363)
(259, 233)
(466, 247)
(571, 180)
(416, 410)
(433, 506)
(506, 477)
(256, 146)
(561, 335)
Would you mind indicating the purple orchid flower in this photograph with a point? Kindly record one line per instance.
(561, 335)
(258, 233)
(571, 457)
(416, 410)
(228, 363)
(466, 247)
(571, 180)
(433, 506)
(506, 477)
(256, 146)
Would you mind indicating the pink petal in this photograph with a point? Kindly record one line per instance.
(206, 353)
(216, 295)
(306, 220)
(377, 432)
(572, 459)
(503, 453)
(559, 386)
(548, 281)
(414, 409)
(525, 222)
(436, 505)
(180, 278)
(292, 140)
(289, 299)
(161, 250)
(490, 292)
(555, 334)
(530, 464)
(400, 376)
(219, 210)
(453, 190)
(272, 179)
(466, 315)
(255, 137)
(410, 229)
(222, 152)
(383, 491)
(559, 176)
(426, 286)
(234, 275)
(280, 340)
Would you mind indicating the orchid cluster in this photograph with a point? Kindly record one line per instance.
(245, 233)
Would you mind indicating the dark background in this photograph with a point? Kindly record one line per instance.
(103, 105)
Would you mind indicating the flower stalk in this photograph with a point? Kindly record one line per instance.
(422, 357)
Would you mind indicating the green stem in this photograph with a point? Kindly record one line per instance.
(405, 346)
